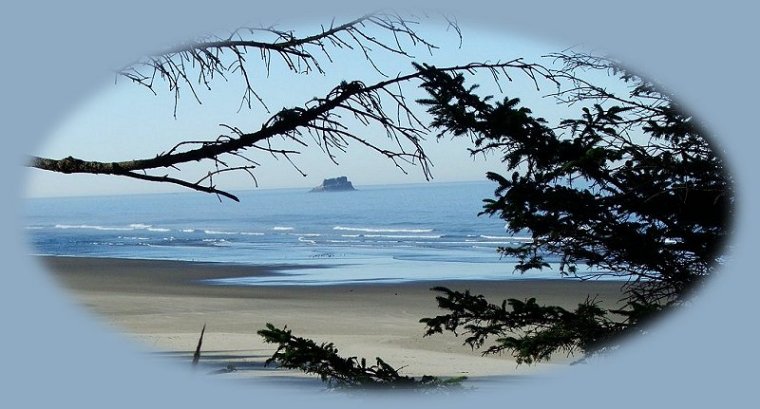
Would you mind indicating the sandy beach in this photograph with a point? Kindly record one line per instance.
(164, 304)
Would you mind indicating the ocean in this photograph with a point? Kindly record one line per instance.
(376, 234)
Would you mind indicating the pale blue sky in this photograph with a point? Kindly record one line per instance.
(125, 121)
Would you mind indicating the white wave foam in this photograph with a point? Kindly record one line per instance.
(381, 230)
(393, 236)
(158, 229)
(91, 227)
(507, 238)
(251, 233)
(282, 228)
(402, 236)
(188, 230)
(220, 232)
(131, 227)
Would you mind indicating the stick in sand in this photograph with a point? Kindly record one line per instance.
(197, 355)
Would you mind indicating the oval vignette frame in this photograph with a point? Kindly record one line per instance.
(171, 391)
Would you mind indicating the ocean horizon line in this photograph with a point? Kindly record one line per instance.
(304, 188)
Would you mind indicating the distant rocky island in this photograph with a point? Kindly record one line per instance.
(339, 184)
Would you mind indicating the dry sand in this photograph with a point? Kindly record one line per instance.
(164, 305)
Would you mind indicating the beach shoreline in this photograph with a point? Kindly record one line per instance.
(164, 304)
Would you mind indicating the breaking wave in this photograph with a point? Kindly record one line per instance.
(381, 230)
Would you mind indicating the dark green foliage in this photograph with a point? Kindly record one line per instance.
(630, 187)
(531, 332)
(305, 354)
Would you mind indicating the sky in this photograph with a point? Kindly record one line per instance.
(126, 121)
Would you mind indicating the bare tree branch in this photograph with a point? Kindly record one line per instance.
(300, 55)
(320, 117)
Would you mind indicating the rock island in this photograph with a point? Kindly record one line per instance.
(338, 184)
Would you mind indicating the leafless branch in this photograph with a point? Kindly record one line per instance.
(213, 56)
(319, 117)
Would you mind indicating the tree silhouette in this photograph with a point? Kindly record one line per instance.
(336, 371)
(630, 188)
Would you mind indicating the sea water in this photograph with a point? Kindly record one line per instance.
(376, 234)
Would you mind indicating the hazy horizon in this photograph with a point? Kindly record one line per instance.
(306, 187)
